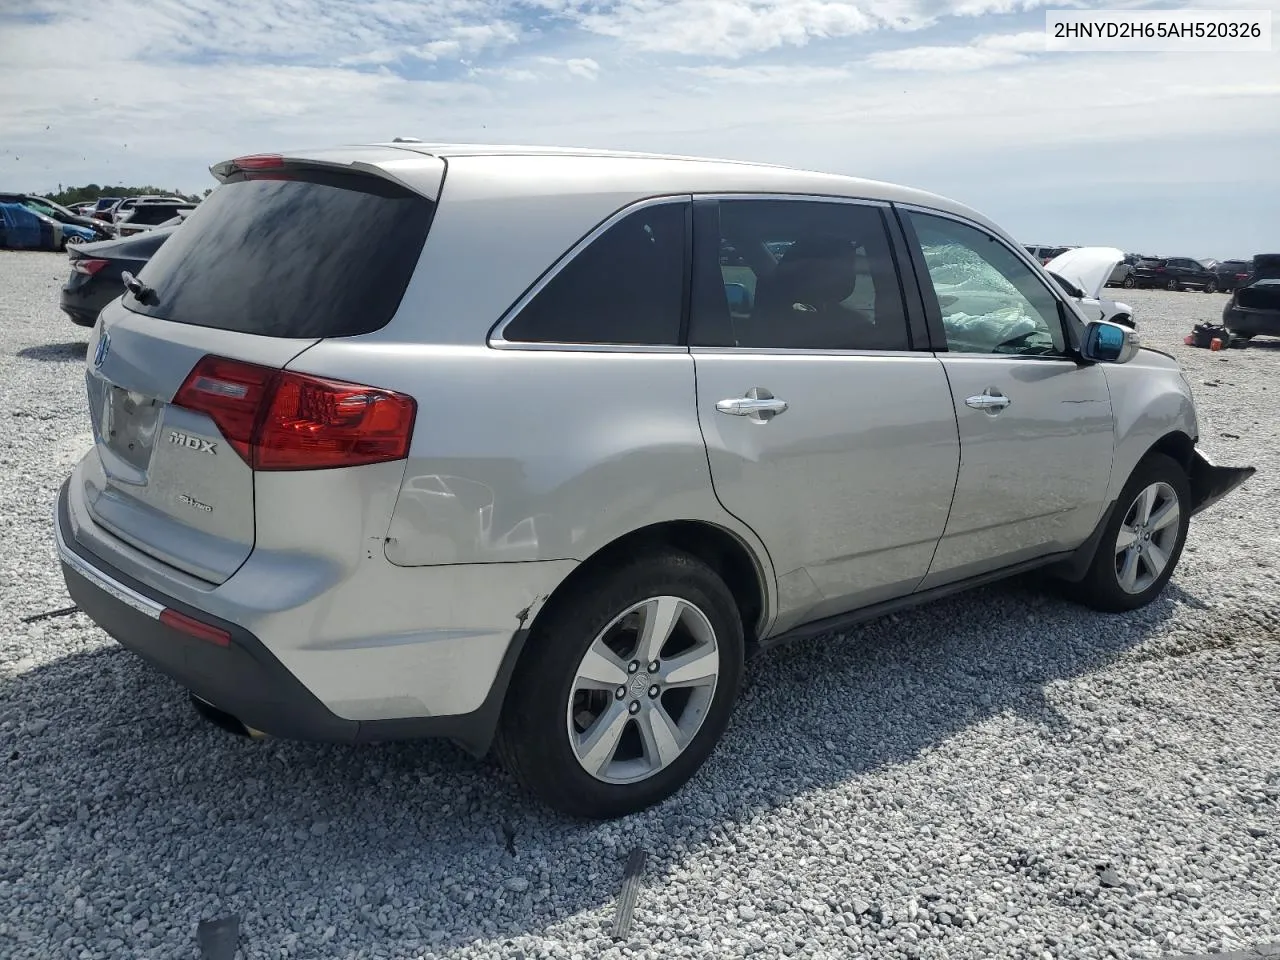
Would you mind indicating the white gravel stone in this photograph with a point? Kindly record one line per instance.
(949, 782)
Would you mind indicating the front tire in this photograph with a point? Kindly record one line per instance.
(1173, 285)
(625, 687)
(1211, 287)
(1143, 540)
(1128, 283)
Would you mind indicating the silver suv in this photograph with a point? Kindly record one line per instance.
(530, 448)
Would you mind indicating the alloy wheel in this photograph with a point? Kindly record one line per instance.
(1147, 537)
(643, 689)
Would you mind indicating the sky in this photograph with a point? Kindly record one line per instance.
(1176, 154)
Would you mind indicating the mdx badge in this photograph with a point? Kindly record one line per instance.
(193, 443)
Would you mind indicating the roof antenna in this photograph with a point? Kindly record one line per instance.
(406, 140)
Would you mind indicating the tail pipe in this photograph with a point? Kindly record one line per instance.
(220, 718)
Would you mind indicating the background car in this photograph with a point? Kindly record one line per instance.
(27, 230)
(96, 270)
(1082, 273)
(1122, 273)
(147, 214)
(20, 228)
(104, 209)
(1232, 273)
(122, 210)
(65, 216)
(1045, 254)
(1254, 308)
(1174, 273)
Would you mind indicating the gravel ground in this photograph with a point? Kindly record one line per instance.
(998, 775)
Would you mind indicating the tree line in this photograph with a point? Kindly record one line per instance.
(69, 196)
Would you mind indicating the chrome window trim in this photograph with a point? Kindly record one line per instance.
(814, 352)
(499, 342)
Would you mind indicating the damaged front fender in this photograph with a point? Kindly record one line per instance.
(1210, 482)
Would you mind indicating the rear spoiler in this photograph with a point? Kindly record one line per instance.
(419, 172)
(1210, 482)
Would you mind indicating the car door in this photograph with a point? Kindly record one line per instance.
(826, 432)
(1035, 423)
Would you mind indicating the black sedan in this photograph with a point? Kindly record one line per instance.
(95, 272)
(1254, 308)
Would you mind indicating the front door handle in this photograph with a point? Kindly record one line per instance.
(759, 404)
(990, 401)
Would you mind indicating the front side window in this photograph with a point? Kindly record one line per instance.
(626, 287)
(990, 300)
(804, 275)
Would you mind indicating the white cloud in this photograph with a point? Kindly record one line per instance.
(770, 74)
(583, 67)
(183, 88)
(734, 28)
(995, 50)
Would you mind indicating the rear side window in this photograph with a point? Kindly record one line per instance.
(626, 287)
(152, 214)
(299, 254)
(811, 275)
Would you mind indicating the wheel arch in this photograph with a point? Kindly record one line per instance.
(737, 564)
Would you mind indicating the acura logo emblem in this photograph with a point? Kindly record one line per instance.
(104, 347)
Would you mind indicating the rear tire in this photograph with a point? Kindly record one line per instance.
(1211, 287)
(1143, 540)
(589, 726)
(1128, 283)
(1173, 285)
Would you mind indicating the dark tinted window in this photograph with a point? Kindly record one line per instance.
(315, 255)
(627, 286)
(808, 275)
(1236, 265)
(152, 214)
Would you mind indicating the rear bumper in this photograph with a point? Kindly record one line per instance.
(1252, 323)
(245, 679)
(83, 307)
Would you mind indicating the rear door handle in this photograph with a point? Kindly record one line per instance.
(991, 401)
(759, 404)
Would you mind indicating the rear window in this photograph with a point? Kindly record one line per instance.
(152, 214)
(300, 254)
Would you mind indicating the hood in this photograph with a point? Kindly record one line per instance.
(1087, 267)
(1266, 266)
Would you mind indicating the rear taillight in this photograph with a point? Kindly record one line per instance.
(1241, 276)
(281, 420)
(87, 267)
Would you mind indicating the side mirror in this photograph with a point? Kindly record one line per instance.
(1106, 342)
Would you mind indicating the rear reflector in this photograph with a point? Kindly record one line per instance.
(86, 266)
(281, 420)
(194, 628)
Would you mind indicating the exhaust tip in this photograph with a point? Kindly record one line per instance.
(222, 719)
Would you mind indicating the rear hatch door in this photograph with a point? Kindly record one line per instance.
(274, 260)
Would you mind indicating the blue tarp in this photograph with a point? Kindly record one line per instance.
(21, 227)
